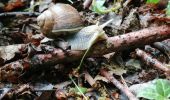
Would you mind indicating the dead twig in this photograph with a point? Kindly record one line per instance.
(150, 61)
(89, 79)
(118, 84)
(87, 4)
(95, 84)
(163, 49)
(19, 13)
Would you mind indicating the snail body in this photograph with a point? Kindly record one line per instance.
(87, 36)
(58, 20)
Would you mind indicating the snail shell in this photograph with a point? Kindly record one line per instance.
(60, 19)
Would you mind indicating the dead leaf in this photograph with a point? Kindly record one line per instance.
(8, 52)
(13, 4)
(116, 69)
(101, 78)
(133, 64)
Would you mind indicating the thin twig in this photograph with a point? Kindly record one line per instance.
(149, 60)
(87, 4)
(163, 49)
(124, 89)
(19, 13)
(89, 79)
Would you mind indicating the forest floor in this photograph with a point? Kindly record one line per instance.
(131, 62)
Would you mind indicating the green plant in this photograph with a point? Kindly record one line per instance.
(158, 90)
(98, 7)
(152, 1)
(168, 9)
(79, 90)
(157, 1)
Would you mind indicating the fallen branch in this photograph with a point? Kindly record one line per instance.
(118, 84)
(112, 44)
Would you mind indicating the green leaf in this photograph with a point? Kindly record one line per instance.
(168, 9)
(98, 6)
(162, 87)
(159, 90)
(152, 1)
(148, 92)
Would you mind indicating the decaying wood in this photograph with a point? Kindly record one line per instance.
(112, 44)
(124, 89)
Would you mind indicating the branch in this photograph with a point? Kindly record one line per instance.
(112, 44)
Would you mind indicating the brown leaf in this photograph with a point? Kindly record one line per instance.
(14, 4)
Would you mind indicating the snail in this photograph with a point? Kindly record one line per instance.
(62, 19)
(86, 37)
(58, 20)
